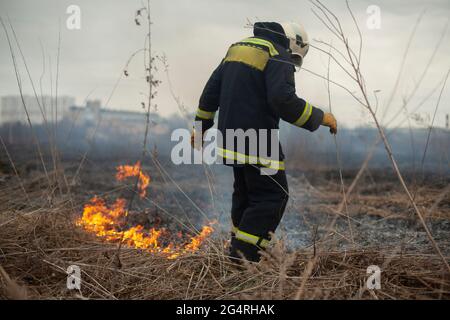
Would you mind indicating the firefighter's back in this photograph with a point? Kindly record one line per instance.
(243, 99)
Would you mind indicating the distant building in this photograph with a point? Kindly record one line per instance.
(117, 121)
(91, 113)
(12, 109)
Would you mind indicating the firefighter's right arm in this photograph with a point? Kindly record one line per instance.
(208, 105)
(209, 100)
(283, 100)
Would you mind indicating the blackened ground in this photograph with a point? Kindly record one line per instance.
(378, 212)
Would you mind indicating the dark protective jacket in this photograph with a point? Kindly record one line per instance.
(254, 87)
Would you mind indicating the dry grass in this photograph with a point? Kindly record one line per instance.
(368, 198)
(37, 248)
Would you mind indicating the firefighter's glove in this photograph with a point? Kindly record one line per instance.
(196, 140)
(330, 121)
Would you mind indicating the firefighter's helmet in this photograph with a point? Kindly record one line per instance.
(298, 41)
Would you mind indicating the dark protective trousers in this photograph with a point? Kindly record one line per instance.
(258, 204)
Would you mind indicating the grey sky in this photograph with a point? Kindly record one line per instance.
(195, 35)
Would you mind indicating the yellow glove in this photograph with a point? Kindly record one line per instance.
(330, 121)
(194, 143)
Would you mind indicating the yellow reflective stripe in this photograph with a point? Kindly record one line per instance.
(262, 42)
(306, 114)
(243, 158)
(250, 238)
(234, 229)
(264, 243)
(251, 56)
(206, 115)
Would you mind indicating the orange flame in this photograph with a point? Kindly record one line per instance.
(126, 171)
(105, 221)
(198, 239)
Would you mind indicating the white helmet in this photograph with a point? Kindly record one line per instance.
(298, 41)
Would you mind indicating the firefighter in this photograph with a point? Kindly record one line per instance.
(254, 88)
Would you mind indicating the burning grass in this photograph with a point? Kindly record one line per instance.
(126, 171)
(37, 248)
(110, 222)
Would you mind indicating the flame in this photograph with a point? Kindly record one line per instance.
(107, 222)
(198, 239)
(126, 171)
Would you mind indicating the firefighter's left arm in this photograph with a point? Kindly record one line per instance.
(283, 100)
(209, 100)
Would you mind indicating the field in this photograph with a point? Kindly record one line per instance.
(92, 205)
(311, 258)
